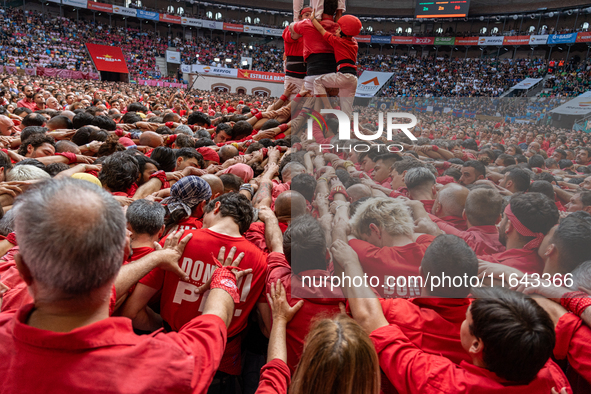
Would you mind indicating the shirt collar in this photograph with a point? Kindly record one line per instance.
(107, 332)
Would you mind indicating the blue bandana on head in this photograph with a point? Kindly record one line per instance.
(187, 194)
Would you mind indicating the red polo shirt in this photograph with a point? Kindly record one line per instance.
(413, 371)
(431, 324)
(398, 261)
(526, 261)
(482, 239)
(107, 356)
(317, 301)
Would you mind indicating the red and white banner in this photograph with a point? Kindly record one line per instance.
(467, 41)
(424, 41)
(233, 27)
(107, 58)
(584, 37)
(516, 40)
(93, 5)
(402, 40)
(170, 18)
(261, 76)
(363, 38)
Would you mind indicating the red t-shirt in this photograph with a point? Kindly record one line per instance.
(256, 234)
(398, 261)
(428, 204)
(84, 360)
(482, 239)
(526, 261)
(455, 221)
(275, 378)
(344, 49)
(292, 47)
(17, 295)
(413, 371)
(572, 343)
(431, 324)
(317, 301)
(313, 41)
(179, 304)
(190, 223)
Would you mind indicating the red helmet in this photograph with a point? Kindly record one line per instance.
(350, 25)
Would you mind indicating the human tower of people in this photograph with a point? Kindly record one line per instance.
(155, 240)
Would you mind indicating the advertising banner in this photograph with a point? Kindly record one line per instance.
(445, 40)
(233, 27)
(173, 57)
(467, 41)
(584, 37)
(261, 76)
(381, 39)
(191, 22)
(516, 40)
(273, 32)
(538, 40)
(562, 38)
(366, 39)
(217, 71)
(107, 58)
(254, 29)
(170, 18)
(75, 3)
(488, 41)
(153, 16)
(93, 5)
(424, 40)
(370, 82)
(117, 9)
(401, 40)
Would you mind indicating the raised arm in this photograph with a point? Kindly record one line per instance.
(317, 24)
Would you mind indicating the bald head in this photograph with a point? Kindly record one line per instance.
(289, 205)
(67, 146)
(291, 170)
(68, 114)
(227, 152)
(215, 183)
(151, 139)
(6, 126)
(358, 191)
(450, 200)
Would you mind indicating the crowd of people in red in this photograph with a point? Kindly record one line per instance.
(154, 240)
